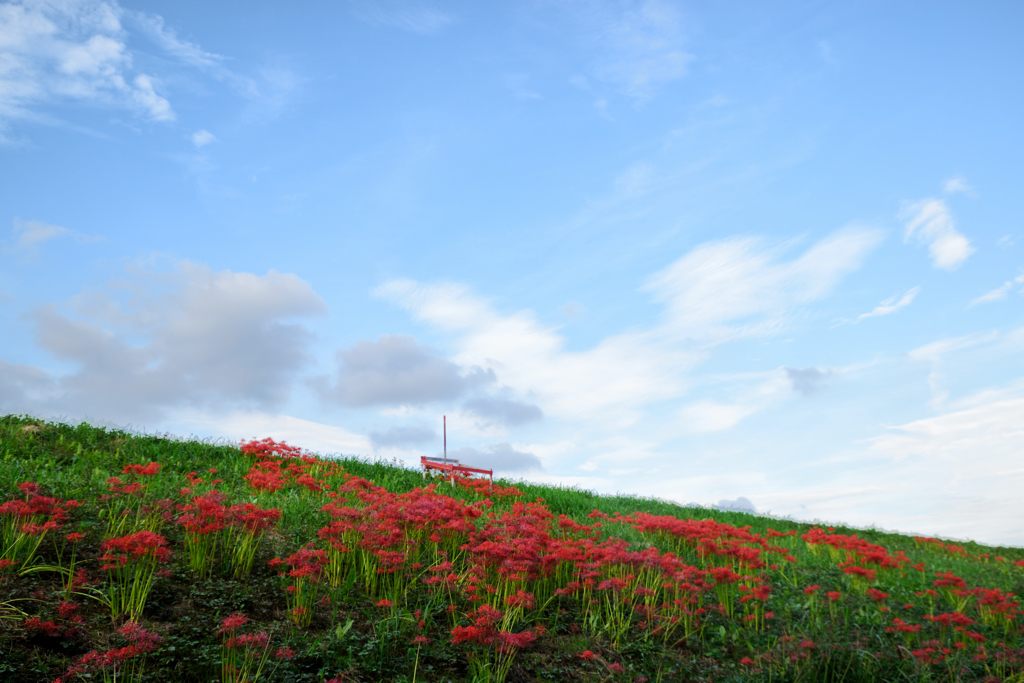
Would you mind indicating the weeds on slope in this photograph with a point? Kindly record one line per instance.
(142, 558)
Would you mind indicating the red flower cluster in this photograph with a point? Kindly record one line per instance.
(141, 545)
(858, 553)
(142, 470)
(279, 465)
(208, 514)
(117, 660)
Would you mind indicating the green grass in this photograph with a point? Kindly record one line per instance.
(351, 637)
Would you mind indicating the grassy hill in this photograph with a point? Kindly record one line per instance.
(140, 558)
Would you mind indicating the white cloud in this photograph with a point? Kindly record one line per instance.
(30, 235)
(396, 371)
(737, 288)
(518, 85)
(76, 50)
(415, 17)
(638, 45)
(157, 341)
(236, 426)
(930, 222)
(635, 181)
(710, 416)
(167, 38)
(966, 464)
(935, 353)
(644, 48)
(957, 185)
(719, 291)
(999, 292)
(741, 504)
(33, 233)
(890, 305)
(936, 350)
(618, 375)
(500, 457)
(202, 138)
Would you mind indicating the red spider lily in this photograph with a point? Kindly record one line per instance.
(46, 628)
(856, 550)
(24, 523)
(303, 591)
(119, 664)
(860, 572)
(900, 626)
(131, 562)
(509, 642)
(950, 619)
(949, 580)
(279, 465)
(243, 655)
(142, 544)
(125, 511)
(222, 534)
(876, 594)
(142, 470)
(232, 623)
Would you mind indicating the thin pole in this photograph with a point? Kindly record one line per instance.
(444, 422)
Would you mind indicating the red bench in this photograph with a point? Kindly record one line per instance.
(451, 468)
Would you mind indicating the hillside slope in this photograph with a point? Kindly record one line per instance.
(162, 560)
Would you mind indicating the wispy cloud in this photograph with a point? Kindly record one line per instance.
(415, 17)
(999, 292)
(235, 426)
(935, 353)
(712, 416)
(957, 185)
(30, 235)
(965, 464)
(57, 52)
(741, 288)
(645, 48)
(167, 38)
(610, 380)
(890, 305)
(519, 86)
(638, 44)
(153, 27)
(930, 222)
(716, 292)
(201, 138)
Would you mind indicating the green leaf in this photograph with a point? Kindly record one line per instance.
(342, 630)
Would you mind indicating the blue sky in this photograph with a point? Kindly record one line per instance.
(700, 251)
